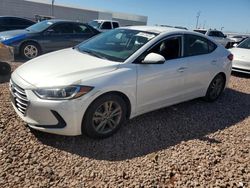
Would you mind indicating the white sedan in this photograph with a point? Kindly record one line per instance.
(96, 86)
(241, 62)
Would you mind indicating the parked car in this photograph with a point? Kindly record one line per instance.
(117, 75)
(104, 25)
(12, 23)
(47, 36)
(241, 62)
(5, 69)
(237, 38)
(218, 36)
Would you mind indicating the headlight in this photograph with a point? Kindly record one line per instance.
(3, 38)
(70, 92)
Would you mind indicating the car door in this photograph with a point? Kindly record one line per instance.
(80, 33)
(200, 62)
(57, 36)
(160, 85)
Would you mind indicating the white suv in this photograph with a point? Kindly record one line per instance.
(216, 35)
(104, 25)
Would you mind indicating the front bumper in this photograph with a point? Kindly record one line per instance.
(63, 117)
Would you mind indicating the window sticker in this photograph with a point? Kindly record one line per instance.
(146, 35)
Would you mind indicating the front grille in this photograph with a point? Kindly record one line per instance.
(19, 97)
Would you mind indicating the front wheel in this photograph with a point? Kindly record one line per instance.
(30, 50)
(104, 116)
(215, 88)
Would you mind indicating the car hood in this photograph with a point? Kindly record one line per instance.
(62, 68)
(241, 54)
(10, 34)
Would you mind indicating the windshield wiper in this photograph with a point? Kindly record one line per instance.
(93, 53)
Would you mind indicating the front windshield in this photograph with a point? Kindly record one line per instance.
(40, 26)
(116, 45)
(245, 44)
(95, 24)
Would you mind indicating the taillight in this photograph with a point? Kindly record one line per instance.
(230, 57)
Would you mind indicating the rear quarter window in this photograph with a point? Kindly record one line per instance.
(197, 45)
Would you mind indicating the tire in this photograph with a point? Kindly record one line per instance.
(228, 45)
(30, 50)
(5, 68)
(215, 88)
(98, 121)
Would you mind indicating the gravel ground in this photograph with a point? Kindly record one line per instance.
(193, 144)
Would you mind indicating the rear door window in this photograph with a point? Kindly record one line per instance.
(115, 24)
(81, 29)
(63, 28)
(106, 25)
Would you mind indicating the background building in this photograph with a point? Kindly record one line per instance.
(30, 8)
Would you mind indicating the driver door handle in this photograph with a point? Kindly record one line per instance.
(181, 69)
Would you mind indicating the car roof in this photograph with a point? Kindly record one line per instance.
(16, 17)
(105, 20)
(154, 29)
(60, 20)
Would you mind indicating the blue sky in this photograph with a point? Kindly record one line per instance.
(232, 15)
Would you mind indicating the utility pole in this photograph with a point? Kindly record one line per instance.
(197, 17)
(52, 7)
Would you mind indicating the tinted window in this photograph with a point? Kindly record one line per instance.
(213, 34)
(245, 44)
(169, 48)
(106, 25)
(63, 28)
(17, 21)
(115, 24)
(196, 45)
(6, 21)
(25, 22)
(81, 29)
(216, 34)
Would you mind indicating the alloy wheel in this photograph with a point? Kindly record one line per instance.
(30, 51)
(107, 117)
(216, 87)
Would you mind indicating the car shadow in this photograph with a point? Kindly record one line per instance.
(20, 59)
(241, 75)
(159, 129)
(4, 78)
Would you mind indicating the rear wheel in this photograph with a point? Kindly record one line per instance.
(104, 116)
(30, 50)
(215, 88)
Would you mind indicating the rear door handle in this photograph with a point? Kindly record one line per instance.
(181, 69)
(214, 61)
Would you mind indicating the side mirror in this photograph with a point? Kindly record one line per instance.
(49, 32)
(154, 58)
